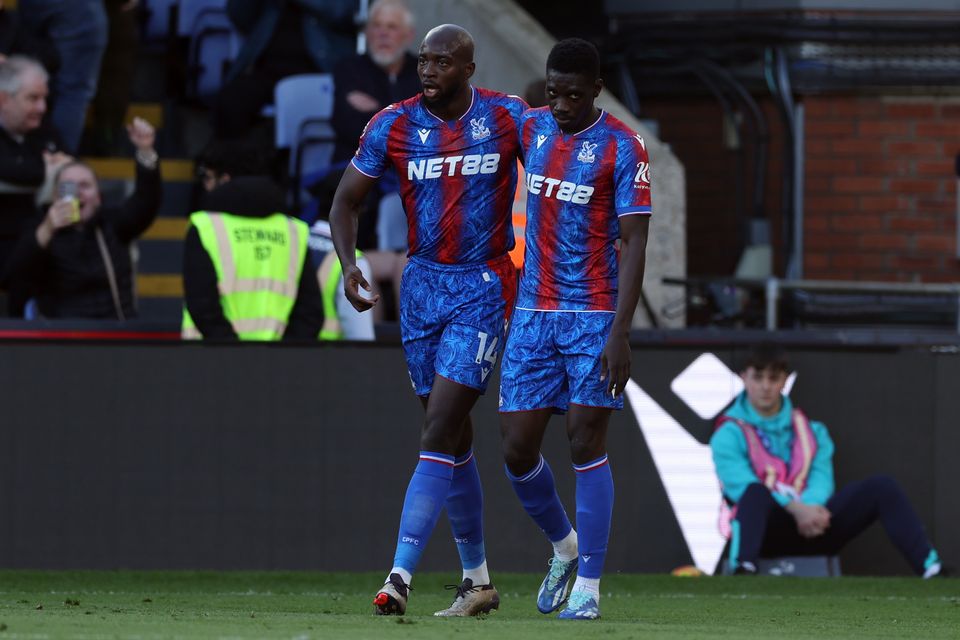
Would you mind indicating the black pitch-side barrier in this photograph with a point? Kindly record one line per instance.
(175, 456)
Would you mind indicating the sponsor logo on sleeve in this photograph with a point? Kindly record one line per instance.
(642, 178)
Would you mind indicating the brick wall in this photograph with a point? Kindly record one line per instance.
(879, 192)
(880, 188)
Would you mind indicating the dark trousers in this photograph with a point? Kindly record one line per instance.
(767, 530)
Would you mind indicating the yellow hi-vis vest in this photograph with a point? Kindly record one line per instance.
(258, 263)
(328, 277)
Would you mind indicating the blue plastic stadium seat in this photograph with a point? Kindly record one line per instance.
(303, 107)
(214, 44)
(191, 11)
(159, 24)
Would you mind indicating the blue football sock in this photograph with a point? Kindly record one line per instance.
(538, 495)
(426, 494)
(594, 511)
(465, 510)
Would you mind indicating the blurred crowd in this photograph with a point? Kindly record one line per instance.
(67, 68)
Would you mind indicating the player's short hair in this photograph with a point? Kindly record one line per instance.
(14, 68)
(575, 55)
(766, 356)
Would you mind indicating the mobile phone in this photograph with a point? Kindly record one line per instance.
(67, 190)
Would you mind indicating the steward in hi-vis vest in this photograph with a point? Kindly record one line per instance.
(246, 274)
(340, 320)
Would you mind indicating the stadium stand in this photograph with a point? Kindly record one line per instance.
(303, 108)
(214, 43)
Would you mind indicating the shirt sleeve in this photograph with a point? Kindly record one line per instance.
(632, 177)
(820, 482)
(371, 156)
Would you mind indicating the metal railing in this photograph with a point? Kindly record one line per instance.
(772, 288)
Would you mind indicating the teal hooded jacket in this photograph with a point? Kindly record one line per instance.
(732, 459)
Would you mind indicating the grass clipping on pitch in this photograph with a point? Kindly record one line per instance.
(127, 604)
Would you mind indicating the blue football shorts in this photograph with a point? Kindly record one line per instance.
(552, 360)
(453, 320)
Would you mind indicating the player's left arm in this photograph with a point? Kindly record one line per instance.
(631, 183)
(615, 361)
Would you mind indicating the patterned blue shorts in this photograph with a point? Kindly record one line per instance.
(552, 359)
(453, 320)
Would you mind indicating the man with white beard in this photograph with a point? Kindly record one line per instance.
(386, 73)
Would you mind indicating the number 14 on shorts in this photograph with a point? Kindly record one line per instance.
(486, 353)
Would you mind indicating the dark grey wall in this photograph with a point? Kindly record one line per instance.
(263, 457)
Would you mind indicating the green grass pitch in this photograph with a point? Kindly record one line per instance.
(128, 604)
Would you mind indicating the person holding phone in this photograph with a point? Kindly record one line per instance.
(75, 258)
(29, 156)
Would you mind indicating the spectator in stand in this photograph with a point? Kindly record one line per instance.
(346, 322)
(75, 257)
(246, 269)
(28, 158)
(223, 160)
(15, 39)
(366, 83)
(363, 85)
(282, 38)
(78, 30)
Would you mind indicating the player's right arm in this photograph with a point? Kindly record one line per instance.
(351, 192)
(368, 164)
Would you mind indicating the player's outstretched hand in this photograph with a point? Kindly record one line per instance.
(353, 280)
(615, 364)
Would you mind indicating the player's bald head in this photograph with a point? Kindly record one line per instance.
(452, 38)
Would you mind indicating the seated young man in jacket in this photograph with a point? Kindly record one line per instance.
(776, 468)
(75, 257)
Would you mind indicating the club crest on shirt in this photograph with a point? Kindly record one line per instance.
(586, 152)
(478, 130)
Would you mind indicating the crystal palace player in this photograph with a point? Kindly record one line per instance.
(588, 183)
(454, 148)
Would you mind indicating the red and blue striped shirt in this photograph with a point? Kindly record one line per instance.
(457, 179)
(578, 185)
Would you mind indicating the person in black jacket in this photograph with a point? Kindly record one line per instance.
(366, 83)
(28, 156)
(253, 197)
(75, 258)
